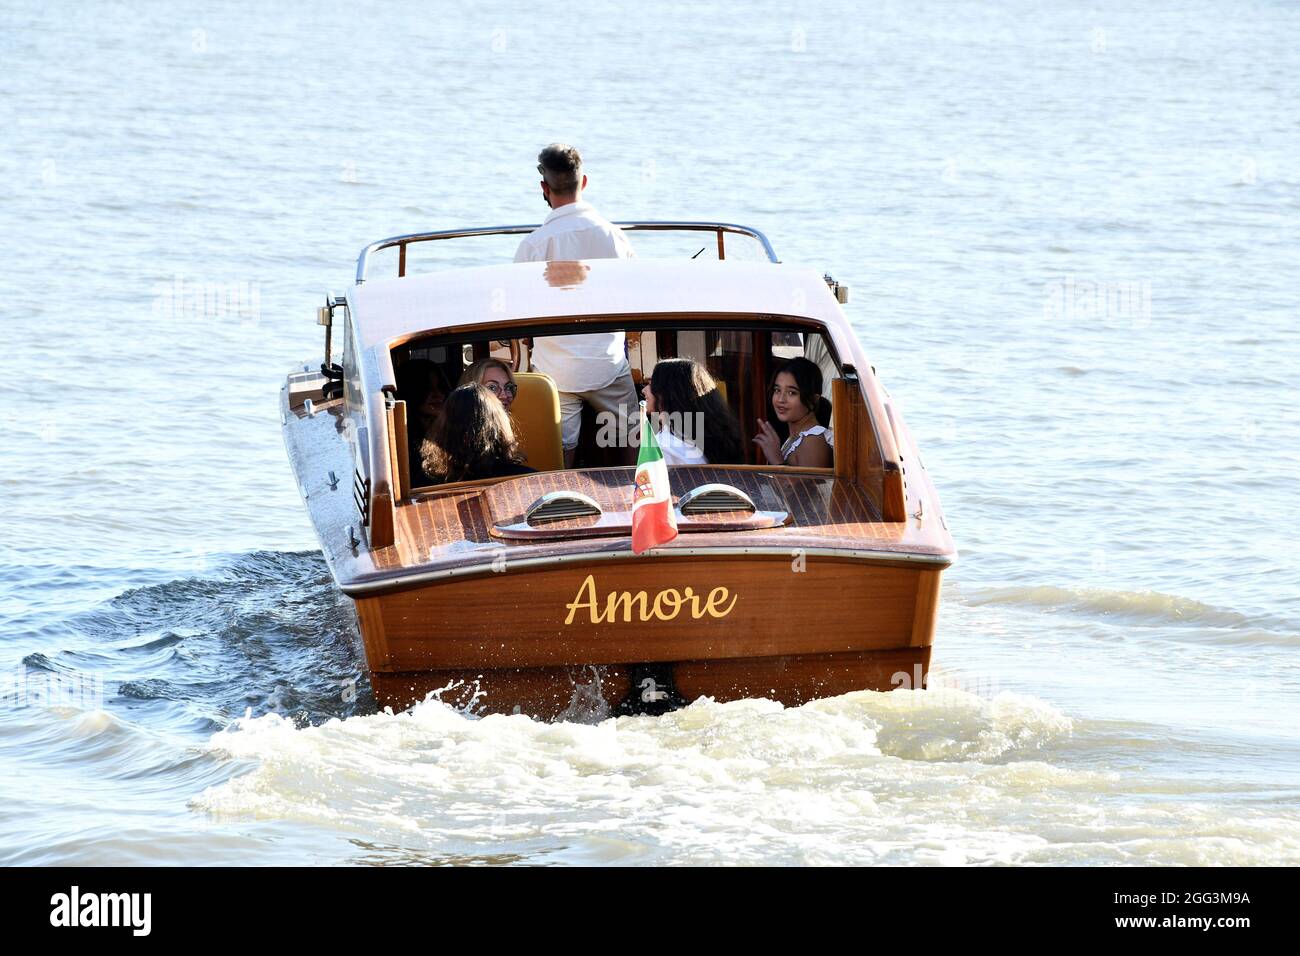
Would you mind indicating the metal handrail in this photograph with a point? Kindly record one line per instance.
(402, 242)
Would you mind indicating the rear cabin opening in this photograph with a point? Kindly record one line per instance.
(742, 356)
(741, 360)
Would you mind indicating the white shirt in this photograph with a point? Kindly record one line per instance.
(578, 363)
(574, 231)
(678, 451)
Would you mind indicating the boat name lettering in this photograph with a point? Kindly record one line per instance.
(664, 606)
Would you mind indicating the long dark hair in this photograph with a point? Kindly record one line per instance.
(807, 376)
(471, 438)
(683, 387)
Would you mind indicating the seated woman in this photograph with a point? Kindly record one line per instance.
(692, 421)
(494, 375)
(797, 400)
(423, 386)
(472, 439)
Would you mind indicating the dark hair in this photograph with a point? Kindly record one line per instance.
(415, 379)
(471, 439)
(807, 377)
(683, 387)
(561, 167)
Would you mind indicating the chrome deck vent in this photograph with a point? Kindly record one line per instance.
(561, 506)
(706, 499)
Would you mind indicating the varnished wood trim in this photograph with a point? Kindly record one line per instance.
(370, 618)
(399, 487)
(402, 449)
(846, 431)
(390, 584)
(893, 506)
(858, 455)
(430, 491)
(381, 528)
(927, 608)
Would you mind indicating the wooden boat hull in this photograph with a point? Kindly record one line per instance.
(538, 640)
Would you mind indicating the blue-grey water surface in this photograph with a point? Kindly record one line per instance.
(1070, 232)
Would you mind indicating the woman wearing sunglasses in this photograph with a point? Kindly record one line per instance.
(494, 375)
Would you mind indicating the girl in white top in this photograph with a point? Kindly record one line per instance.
(796, 395)
(692, 421)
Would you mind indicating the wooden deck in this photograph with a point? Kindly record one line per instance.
(444, 530)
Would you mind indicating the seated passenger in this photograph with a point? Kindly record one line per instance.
(797, 400)
(423, 386)
(692, 421)
(494, 375)
(472, 439)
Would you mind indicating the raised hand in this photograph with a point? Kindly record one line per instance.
(768, 440)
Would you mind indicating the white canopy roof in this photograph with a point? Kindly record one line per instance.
(388, 309)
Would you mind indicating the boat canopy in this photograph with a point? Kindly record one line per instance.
(387, 310)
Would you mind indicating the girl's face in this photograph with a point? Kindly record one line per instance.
(787, 401)
(496, 381)
(431, 406)
(651, 404)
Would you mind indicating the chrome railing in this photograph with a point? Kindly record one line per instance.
(401, 242)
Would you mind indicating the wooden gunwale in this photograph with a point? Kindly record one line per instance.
(370, 585)
(431, 491)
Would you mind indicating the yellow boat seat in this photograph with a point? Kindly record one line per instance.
(536, 415)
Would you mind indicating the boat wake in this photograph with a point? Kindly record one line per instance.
(900, 777)
(256, 633)
(1143, 607)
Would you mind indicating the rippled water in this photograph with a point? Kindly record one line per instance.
(1070, 232)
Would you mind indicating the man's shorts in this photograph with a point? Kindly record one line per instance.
(618, 398)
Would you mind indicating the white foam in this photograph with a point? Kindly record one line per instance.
(904, 777)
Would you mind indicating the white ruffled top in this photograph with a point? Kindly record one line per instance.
(795, 441)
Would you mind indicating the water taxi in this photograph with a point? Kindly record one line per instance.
(522, 594)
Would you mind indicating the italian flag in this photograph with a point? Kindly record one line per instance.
(653, 520)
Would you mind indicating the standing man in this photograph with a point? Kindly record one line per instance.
(590, 368)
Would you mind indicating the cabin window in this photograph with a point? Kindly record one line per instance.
(353, 398)
(740, 358)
